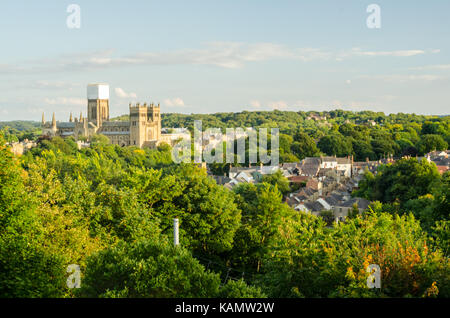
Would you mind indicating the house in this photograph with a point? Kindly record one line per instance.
(344, 166)
(360, 167)
(314, 184)
(19, 148)
(328, 162)
(310, 166)
(342, 210)
(291, 167)
(442, 169)
(298, 180)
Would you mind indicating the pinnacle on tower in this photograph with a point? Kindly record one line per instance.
(81, 116)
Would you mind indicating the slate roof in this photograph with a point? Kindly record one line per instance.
(66, 125)
(314, 206)
(116, 124)
(310, 166)
(331, 200)
(362, 203)
(343, 161)
(442, 161)
(298, 179)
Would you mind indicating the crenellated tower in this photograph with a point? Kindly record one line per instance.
(155, 116)
(138, 123)
(145, 124)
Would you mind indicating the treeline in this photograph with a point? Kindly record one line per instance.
(364, 135)
(110, 210)
(20, 130)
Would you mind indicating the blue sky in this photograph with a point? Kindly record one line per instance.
(229, 55)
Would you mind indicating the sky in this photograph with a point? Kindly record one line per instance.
(206, 56)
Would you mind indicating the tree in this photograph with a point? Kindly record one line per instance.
(354, 212)
(279, 180)
(304, 146)
(208, 214)
(429, 143)
(263, 213)
(239, 289)
(363, 150)
(336, 145)
(404, 180)
(316, 262)
(154, 269)
(27, 267)
(327, 216)
(383, 144)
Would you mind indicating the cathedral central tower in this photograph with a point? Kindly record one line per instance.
(98, 103)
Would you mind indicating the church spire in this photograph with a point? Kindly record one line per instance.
(71, 118)
(81, 116)
(43, 119)
(53, 120)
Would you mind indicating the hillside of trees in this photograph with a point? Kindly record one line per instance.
(363, 134)
(110, 210)
(19, 130)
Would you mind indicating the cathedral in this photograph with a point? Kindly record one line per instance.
(142, 130)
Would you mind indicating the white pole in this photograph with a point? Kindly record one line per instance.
(175, 232)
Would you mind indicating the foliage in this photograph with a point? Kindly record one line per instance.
(110, 210)
(313, 262)
(154, 269)
(279, 180)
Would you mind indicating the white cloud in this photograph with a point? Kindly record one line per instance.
(52, 85)
(255, 104)
(65, 101)
(400, 53)
(278, 105)
(220, 54)
(174, 102)
(432, 67)
(396, 78)
(122, 94)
